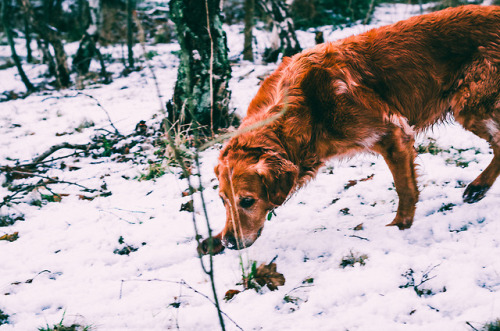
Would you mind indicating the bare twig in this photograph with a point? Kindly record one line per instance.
(179, 159)
(105, 111)
(54, 180)
(359, 237)
(182, 282)
(211, 70)
(473, 328)
(369, 13)
(243, 130)
(9, 198)
(55, 148)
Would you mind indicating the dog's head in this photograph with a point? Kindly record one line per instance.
(251, 183)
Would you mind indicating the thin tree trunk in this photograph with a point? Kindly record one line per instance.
(27, 35)
(49, 34)
(201, 92)
(10, 39)
(130, 32)
(61, 61)
(249, 17)
(47, 58)
(286, 41)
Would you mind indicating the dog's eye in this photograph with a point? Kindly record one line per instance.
(247, 202)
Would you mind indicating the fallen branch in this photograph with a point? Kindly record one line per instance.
(55, 148)
(9, 198)
(55, 180)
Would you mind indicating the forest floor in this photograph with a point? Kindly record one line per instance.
(99, 239)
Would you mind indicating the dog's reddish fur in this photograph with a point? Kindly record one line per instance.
(369, 92)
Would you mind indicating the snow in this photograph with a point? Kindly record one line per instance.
(63, 265)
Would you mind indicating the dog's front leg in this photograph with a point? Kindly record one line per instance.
(397, 149)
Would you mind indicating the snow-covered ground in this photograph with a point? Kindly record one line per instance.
(438, 275)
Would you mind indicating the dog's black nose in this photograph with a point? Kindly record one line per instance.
(229, 241)
(213, 246)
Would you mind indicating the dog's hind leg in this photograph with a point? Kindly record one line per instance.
(476, 106)
(397, 149)
(488, 129)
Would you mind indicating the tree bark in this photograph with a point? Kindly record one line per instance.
(47, 57)
(286, 41)
(249, 17)
(27, 35)
(201, 93)
(10, 39)
(49, 34)
(130, 32)
(88, 45)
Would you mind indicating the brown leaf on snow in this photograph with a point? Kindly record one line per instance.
(353, 182)
(188, 206)
(358, 227)
(230, 294)
(10, 237)
(84, 197)
(267, 275)
(367, 178)
(350, 183)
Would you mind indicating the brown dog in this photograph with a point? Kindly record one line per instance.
(370, 92)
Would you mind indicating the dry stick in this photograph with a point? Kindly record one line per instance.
(104, 109)
(243, 130)
(473, 328)
(235, 215)
(180, 161)
(55, 148)
(368, 14)
(8, 198)
(211, 70)
(54, 180)
(182, 282)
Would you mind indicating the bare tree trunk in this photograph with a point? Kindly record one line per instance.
(286, 41)
(47, 57)
(15, 57)
(130, 32)
(27, 35)
(201, 92)
(61, 61)
(50, 34)
(88, 45)
(249, 17)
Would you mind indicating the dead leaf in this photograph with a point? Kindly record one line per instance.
(267, 275)
(230, 294)
(83, 197)
(358, 227)
(187, 206)
(350, 183)
(367, 178)
(10, 237)
(353, 182)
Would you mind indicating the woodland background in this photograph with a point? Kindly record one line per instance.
(112, 114)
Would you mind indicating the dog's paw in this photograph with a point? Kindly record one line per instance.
(401, 223)
(474, 193)
(212, 247)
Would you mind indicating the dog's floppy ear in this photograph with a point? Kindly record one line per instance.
(279, 177)
(319, 90)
